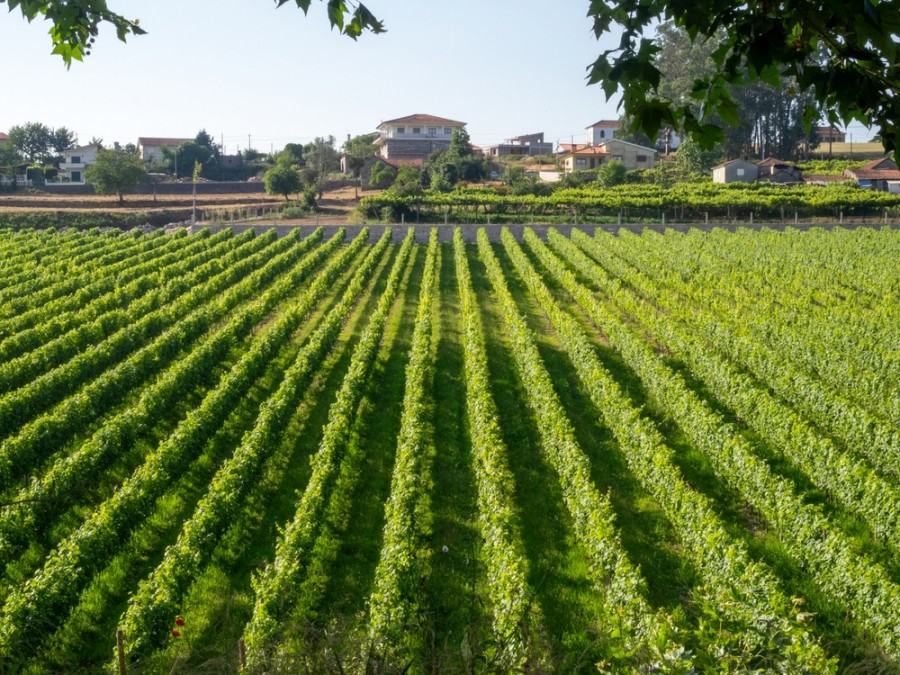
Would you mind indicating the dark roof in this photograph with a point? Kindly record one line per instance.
(145, 141)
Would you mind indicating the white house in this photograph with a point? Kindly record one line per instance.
(415, 136)
(150, 149)
(602, 131)
(75, 161)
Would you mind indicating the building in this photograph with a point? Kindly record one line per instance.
(415, 136)
(774, 170)
(527, 145)
(151, 149)
(735, 171)
(830, 134)
(880, 174)
(75, 161)
(602, 131)
(587, 157)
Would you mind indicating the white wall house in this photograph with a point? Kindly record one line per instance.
(75, 161)
(602, 131)
(415, 136)
(150, 149)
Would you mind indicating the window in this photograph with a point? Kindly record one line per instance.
(75, 159)
(417, 130)
(581, 161)
(641, 158)
(432, 131)
(602, 134)
(448, 131)
(401, 130)
(740, 172)
(617, 157)
(75, 176)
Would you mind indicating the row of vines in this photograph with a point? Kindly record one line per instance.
(663, 452)
(688, 202)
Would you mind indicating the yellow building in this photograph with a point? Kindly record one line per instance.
(587, 157)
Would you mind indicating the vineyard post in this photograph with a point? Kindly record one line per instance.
(120, 650)
(751, 217)
(706, 217)
(662, 218)
(242, 654)
(796, 217)
(619, 222)
(403, 218)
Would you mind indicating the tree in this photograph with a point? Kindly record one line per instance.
(611, 173)
(692, 159)
(283, 179)
(75, 25)
(456, 163)
(31, 140)
(358, 149)
(62, 139)
(408, 182)
(190, 153)
(769, 120)
(321, 159)
(382, 174)
(845, 53)
(114, 172)
(293, 151)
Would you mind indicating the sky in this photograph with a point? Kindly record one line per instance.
(253, 75)
(249, 73)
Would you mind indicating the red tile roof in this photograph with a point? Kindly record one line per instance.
(4, 137)
(604, 124)
(419, 118)
(878, 165)
(874, 174)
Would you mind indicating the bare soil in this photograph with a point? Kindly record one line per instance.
(335, 205)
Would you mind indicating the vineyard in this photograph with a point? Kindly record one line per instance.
(640, 203)
(663, 452)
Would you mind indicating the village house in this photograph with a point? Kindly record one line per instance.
(587, 157)
(414, 137)
(151, 149)
(75, 161)
(527, 145)
(770, 170)
(880, 174)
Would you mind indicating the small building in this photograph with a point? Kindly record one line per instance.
(773, 170)
(529, 145)
(602, 131)
(151, 149)
(878, 174)
(75, 161)
(830, 134)
(415, 136)
(585, 158)
(735, 170)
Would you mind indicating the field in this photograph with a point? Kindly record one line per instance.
(665, 452)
